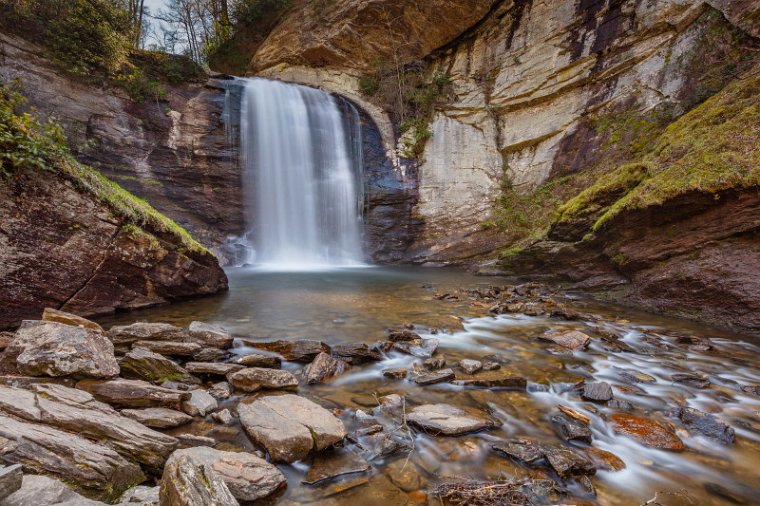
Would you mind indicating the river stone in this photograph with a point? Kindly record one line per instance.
(39, 490)
(494, 381)
(570, 429)
(141, 363)
(448, 420)
(54, 315)
(95, 468)
(568, 462)
(253, 379)
(403, 335)
(289, 426)
(221, 390)
(422, 348)
(77, 411)
(323, 368)
(158, 418)
(356, 353)
(259, 360)
(573, 340)
(574, 414)
(142, 331)
(635, 376)
(433, 377)
(300, 350)
(194, 440)
(707, 424)
(10, 480)
(396, 373)
(171, 348)
(207, 354)
(335, 465)
(470, 366)
(209, 335)
(603, 459)
(223, 417)
(213, 368)
(54, 349)
(692, 380)
(189, 481)
(140, 495)
(200, 403)
(134, 393)
(597, 392)
(434, 364)
(646, 431)
(523, 450)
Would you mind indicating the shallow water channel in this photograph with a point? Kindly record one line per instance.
(358, 305)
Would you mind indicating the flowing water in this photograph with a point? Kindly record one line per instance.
(301, 150)
(356, 305)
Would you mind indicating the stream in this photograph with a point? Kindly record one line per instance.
(636, 353)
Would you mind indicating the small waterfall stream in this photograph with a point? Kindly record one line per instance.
(302, 177)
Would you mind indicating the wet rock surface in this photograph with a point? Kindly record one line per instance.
(449, 420)
(134, 393)
(253, 379)
(158, 418)
(646, 431)
(322, 368)
(295, 351)
(190, 481)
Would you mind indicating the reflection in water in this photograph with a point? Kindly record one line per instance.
(356, 305)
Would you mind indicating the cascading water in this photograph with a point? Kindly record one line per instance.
(302, 175)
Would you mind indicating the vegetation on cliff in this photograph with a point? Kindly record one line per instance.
(26, 143)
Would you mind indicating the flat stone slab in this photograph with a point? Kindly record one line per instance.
(646, 431)
(38, 490)
(289, 426)
(213, 368)
(158, 418)
(142, 331)
(335, 465)
(494, 381)
(448, 420)
(573, 340)
(10, 479)
(171, 348)
(298, 350)
(134, 393)
(431, 378)
(55, 315)
(322, 368)
(209, 335)
(141, 363)
(254, 379)
(200, 403)
(259, 360)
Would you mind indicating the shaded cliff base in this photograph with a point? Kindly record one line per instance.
(677, 232)
(74, 240)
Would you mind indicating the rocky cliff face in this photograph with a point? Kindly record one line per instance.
(174, 153)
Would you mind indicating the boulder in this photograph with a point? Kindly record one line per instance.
(55, 349)
(573, 340)
(37, 490)
(323, 368)
(259, 360)
(289, 426)
(433, 377)
(253, 379)
(212, 368)
(448, 420)
(95, 469)
(200, 403)
(134, 393)
(54, 315)
(77, 411)
(158, 418)
(210, 335)
(356, 353)
(10, 480)
(141, 363)
(570, 429)
(299, 350)
(422, 348)
(646, 431)
(171, 348)
(707, 424)
(188, 481)
(247, 476)
(142, 331)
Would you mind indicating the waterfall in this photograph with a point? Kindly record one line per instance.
(302, 177)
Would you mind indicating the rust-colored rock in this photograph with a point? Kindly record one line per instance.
(646, 431)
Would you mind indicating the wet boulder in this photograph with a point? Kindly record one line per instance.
(200, 403)
(470, 366)
(209, 335)
(525, 451)
(573, 340)
(253, 379)
(692, 380)
(299, 350)
(134, 393)
(646, 431)
(403, 335)
(433, 377)
(603, 459)
(54, 315)
(570, 429)
(142, 331)
(567, 462)
(356, 353)
(289, 426)
(597, 392)
(707, 424)
(158, 418)
(448, 420)
(334, 465)
(189, 481)
(322, 368)
(55, 349)
(141, 363)
(422, 348)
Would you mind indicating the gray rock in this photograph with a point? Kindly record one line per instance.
(77, 411)
(597, 392)
(95, 468)
(322, 368)
(142, 331)
(200, 403)
(422, 348)
(248, 477)
(212, 368)
(289, 426)
(470, 366)
(171, 348)
(188, 481)
(448, 420)
(54, 315)
(55, 349)
(221, 390)
(356, 353)
(45, 491)
(434, 377)
(224, 417)
(140, 496)
(253, 379)
(141, 363)
(692, 380)
(158, 418)
(194, 440)
(570, 429)
(573, 340)
(259, 360)
(298, 350)
(433, 364)
(210, 355)
(707, 424)
(210, 335)
(334, 465)
(10, 480)
(134, 394)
